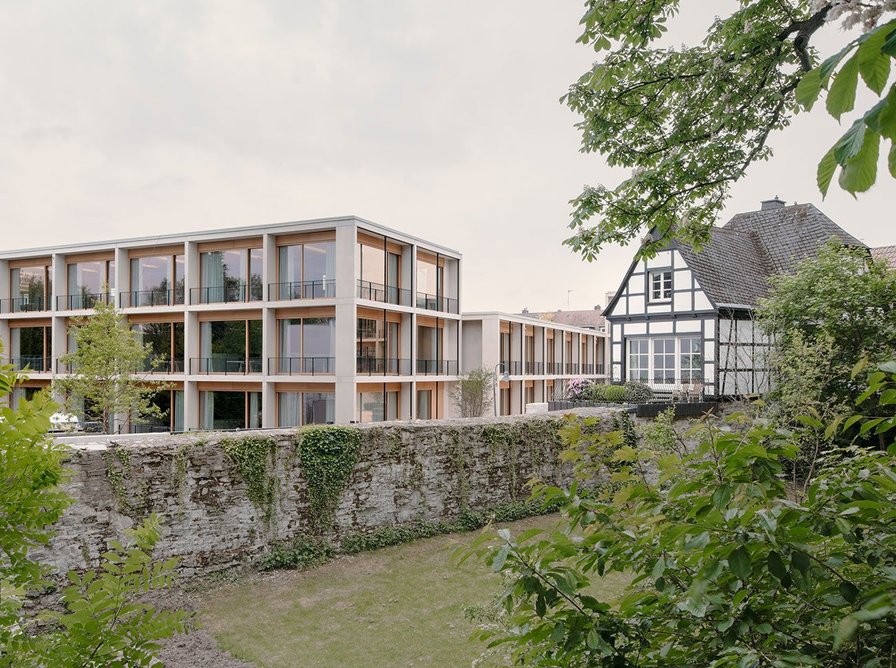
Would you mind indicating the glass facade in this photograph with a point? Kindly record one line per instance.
(307, 345)
(229, 410)
(230, 276)
(167, 342)
(229, 346)
(295, 409)
(377, 406)
(30, 288)
(30, 348)
(156, 280)
(307, 271)
(89, 282)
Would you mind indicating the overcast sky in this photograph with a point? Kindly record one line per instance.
(440, 119)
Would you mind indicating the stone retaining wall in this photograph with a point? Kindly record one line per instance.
(405, 472)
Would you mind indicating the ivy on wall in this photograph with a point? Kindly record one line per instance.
(250, 456)
(327, 456)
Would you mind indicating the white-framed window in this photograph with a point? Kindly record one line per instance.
(660, 285)
(638, 359)
(690, 359)
(665, 360)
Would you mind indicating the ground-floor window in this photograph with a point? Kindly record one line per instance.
(377, 406)
(20, 393)
(171, 405)
(295, 409)
(666, 360)
(230, 410)
(424, 404)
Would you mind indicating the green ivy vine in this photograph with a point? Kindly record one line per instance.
(327, 456)
(250, 457)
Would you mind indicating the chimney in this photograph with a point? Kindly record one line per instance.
(596, 307)
(526, 310)
(610, 296)
(770, 204)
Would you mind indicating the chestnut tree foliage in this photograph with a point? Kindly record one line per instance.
(730, 566)
(689, 120)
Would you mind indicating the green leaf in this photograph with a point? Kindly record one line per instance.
(825, 173)
(776, 565)
(860, 172)
(874, 66)
(891, 160)
(845, 631)
(739, 563)
(849, 591)
(850, 143)
(842, 96)
(808, 89)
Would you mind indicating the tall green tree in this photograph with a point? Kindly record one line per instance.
(107, 366)
(101, 622)
(688, 121)
(842, 305)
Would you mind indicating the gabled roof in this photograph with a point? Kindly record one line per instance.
(734, 266)
(885, 254)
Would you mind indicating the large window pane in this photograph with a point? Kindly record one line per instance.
(222, 410)
(664, 360)
(373, 264)
(255, 274)
(158, 336)
(28, 287)
(320, 262)
(179, 279)
(150, 280)
(427, 278)
(319, 337)
(318, 408)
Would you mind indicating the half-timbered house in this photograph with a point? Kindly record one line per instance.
(684, 319)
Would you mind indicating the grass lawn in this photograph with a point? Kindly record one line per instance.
(400, 606)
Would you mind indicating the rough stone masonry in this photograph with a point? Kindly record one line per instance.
(405, 472)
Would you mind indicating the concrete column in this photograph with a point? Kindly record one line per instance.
(405, 407)
(346, 322)
(191, 336)
(122, 276)
(269, 332)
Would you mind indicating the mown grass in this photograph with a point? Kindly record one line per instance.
(400, 606)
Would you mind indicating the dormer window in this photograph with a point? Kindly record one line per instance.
(660, 286)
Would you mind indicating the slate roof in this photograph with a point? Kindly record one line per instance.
(733, 268)
(885, 254)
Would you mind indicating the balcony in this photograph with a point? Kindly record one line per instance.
(572, 367)
(533, 368)
(554, 368)
(83, 300)
(23, 305)
(305, 366)
(151, 298)
(237, 366)
(388, 294)
(302, 290)
(35, 363)
(161, 366)
(436, 303)
(226, 294)
(436, 367)
(383, 366)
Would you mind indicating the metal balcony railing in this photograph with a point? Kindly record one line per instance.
(35, 363)
(313, 366)
(23, 305)
(383, 366)
(533, 368)
(83, 300)
(161, 366)
(388, 294)
(554, 368)
(157, 297)
(436, 303)
(225, 365)
(226, 294)
(302, 290)
(436, 367)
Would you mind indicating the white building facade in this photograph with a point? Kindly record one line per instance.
(323, 321)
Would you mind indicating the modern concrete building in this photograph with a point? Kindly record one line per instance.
(331, 320)
(539, 356)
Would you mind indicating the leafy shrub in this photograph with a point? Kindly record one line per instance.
(732, 565)
(637, 393)
(614, 393)
(598, 392)
(328, 456)
(577, 389)
(304, 552)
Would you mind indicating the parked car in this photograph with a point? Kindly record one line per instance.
(64, 422)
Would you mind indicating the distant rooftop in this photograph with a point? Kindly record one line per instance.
(885, 254)
(590, 318)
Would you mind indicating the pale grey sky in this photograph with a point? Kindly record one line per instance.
(438, 119)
